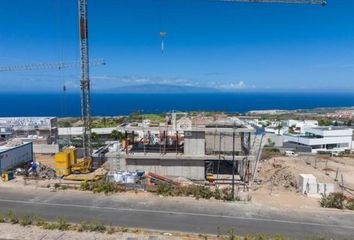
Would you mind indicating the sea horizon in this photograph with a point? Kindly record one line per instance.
(115, 104)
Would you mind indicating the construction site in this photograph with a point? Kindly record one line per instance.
(218, 151)
(222, 158)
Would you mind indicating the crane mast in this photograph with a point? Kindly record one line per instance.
(85, 79)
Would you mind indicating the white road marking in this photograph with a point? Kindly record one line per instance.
(177, 213)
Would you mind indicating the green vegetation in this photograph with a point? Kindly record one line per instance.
(97, 227)
(61, 224)
(25, 220)
(64, 124)
(270, 152)
(117, 135)
(11, 216)
(270, 143)
(92, 226)
(101, 186)
(337, 200)
(325, 122)
(196, 191)
(106, 122)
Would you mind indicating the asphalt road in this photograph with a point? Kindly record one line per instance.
(178, 214)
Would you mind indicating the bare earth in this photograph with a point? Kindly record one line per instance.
(278, 179)
(16, 232)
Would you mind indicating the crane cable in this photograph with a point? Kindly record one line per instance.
(61, 54)
(162, 26)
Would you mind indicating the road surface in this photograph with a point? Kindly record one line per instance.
(176, 214)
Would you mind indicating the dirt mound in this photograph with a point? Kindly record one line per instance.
(274, 173)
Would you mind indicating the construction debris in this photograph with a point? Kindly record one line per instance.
(93, 176)
(45, 172)
(275, 174)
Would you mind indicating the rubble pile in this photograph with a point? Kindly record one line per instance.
(275, 174)
(284, 178)
(14, 142)
(45, 172)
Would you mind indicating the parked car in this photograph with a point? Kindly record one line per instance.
(336, 153)
(291, 154)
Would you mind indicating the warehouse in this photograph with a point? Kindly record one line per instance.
(10, 157)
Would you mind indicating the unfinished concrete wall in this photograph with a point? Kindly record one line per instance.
(46, 148)
(194, 143)
(192, 169)
(222, 142)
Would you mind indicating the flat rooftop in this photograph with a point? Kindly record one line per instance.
(330, 128)
(4, 148)
(174, 156)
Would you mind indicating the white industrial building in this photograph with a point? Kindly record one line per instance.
(323, 138)
(12, 156)
(41, 131)
(299, 126)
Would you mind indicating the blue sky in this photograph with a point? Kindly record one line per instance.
(239, 46)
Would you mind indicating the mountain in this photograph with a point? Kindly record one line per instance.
(158, 88)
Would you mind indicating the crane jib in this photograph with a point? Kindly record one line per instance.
(315, 2)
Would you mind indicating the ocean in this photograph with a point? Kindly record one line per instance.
(63, 105)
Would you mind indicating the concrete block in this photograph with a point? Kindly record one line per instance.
(325, 188)
(329, 188)
(321, 188)
(307, 184)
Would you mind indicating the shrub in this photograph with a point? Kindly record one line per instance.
(49, 226)
(333, 200)
(262, 237)
(2, 218)
(12, 217)
(231, 235)
(105, 187)
(202, 192)
(96, 226)
(111, 230)
(218, 194)
(163, 189)
(227, 194)
(93, 226)
(25, 220)
(350, 204)
(38, 221)
(62, 224)
(85, 186)
(196, 191)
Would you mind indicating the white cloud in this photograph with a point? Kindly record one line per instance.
(114, 81)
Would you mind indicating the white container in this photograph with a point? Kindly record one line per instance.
(329, 188)
(307, 184)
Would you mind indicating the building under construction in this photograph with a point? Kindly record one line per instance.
(194, 151)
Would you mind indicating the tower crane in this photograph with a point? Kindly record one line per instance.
(85, 62)
(85, 79)
(45, 66)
